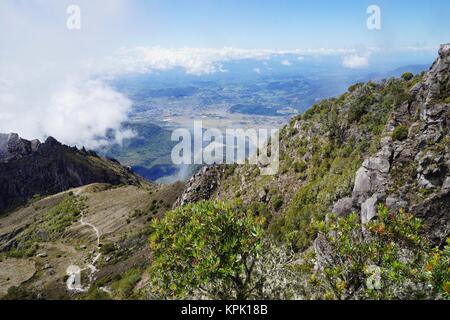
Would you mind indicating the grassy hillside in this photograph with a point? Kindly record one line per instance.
(46, 237)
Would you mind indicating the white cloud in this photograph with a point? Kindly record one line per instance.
(45, 90)
(257, 70)
(196, 61)
(78, 112)
(356, 61)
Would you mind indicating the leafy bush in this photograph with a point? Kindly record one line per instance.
(407, 76)
(277, 202)
(209, 248)
(400, 133)
(95, 294)
(108, 248)
(387, 259)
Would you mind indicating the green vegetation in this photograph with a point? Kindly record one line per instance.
(123, 288)
(277, 202)
(407, 76)
(108, 248)
(389, 260)
(205, 250)
(214, 250)
(400, 133)
(49, 227)
(334, 155)
(208, 249)
(95, 294)
(355, 86)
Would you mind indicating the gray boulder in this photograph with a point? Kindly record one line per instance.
(343, 207)
(369, 209)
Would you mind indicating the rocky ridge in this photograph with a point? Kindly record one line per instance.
(32, 168)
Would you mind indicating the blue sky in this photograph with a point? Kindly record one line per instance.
(287, 24)
(252, 24)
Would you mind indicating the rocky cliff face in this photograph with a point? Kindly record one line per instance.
(380, 143)
(413, 172)
(30, 168)
(202, 185)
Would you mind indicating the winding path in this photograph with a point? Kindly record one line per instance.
(74, 272)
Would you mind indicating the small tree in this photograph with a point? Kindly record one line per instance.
(386, 259)
(407, 76)
(209, 249)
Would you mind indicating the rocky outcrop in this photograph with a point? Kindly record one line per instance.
(401, 170)
(344, 206)
(11, 146)
(30, 168)
(202, 185)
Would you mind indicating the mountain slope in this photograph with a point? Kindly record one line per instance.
(44, 239)
(31, 168)
(379, 143)
(359, 209)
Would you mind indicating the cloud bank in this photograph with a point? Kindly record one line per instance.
(45, 90)
(77, 112)
(356, 61)
(195, 61)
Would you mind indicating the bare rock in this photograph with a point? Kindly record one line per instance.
(202, 185)
(446, 185)
(41, 234)
(343, 207)
(371, 176)
(369, 209)
(395, 204)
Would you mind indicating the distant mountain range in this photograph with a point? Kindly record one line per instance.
(377, 76)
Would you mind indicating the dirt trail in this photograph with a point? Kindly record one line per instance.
(74, 272)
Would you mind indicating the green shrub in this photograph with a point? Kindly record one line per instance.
(400, 133)
(277, 202)
(108, 248)
(95, 294)
(54, 223)
(300, 166)
(356, 112)
(407, 76)
(209, 246)
(389, 260)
